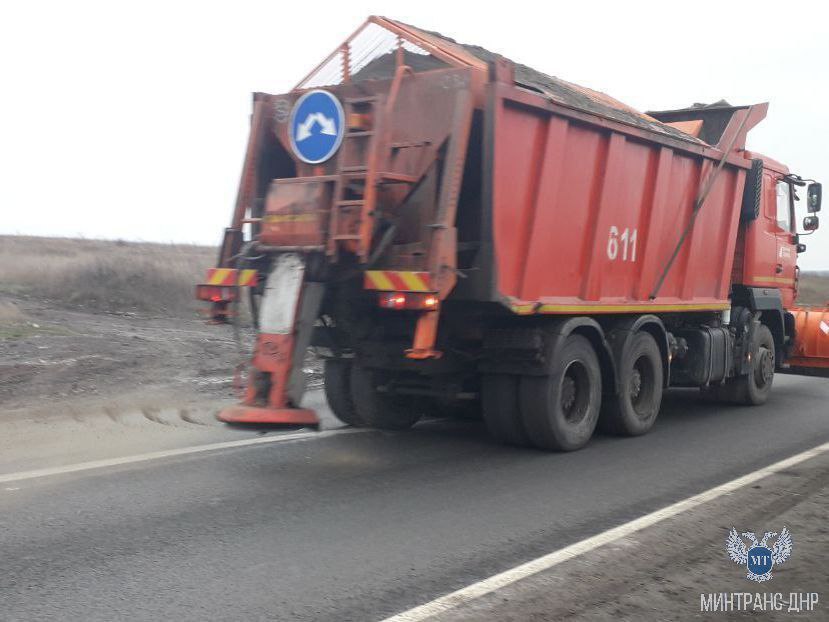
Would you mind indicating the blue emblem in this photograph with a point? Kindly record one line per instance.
(316, 126)
(759, 558)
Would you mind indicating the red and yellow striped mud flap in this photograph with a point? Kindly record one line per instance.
(398, 281)
(227, 277)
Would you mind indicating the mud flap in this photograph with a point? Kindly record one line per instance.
(276, 382)
(309, 306)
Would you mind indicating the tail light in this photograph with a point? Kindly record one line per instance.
(215, 293)
(409, 301)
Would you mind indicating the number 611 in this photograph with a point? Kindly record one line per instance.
(627, 242)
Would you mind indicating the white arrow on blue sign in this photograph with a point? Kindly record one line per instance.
(316, 126)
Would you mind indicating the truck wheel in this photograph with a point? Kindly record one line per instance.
(337, 376)
(637, 404)
(499, 395)
(754, 388)
(560, 410)
(381, 410)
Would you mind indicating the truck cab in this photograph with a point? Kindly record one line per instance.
(771, 239)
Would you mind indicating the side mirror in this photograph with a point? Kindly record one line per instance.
(801, 248)
(810, 223)
(813, 196)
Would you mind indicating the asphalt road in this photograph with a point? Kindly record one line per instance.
(362, 525)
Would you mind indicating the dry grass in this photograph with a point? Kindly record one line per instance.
(137, 276)
(105, 275)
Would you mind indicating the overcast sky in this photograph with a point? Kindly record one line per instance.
(129, 120)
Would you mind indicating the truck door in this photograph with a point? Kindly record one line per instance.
(785, 265)
(770, 253)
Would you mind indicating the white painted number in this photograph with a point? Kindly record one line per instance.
(627, 240)
(613, 244)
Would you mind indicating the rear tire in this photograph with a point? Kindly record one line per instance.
(634, 410)
(502, 415)
(337, 377)
(560, 410)
(386, 411)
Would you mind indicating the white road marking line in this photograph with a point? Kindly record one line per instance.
(498, 581)
(170, 453)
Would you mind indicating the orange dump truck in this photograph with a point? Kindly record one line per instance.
(457, 233)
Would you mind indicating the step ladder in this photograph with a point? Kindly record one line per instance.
(351, 221)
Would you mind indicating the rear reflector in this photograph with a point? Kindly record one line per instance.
(408, 301)
(215, 293)
(221, 285)
(229, 276)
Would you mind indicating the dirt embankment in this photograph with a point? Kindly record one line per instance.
(85, 323)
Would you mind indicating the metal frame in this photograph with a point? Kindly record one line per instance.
(438, 51)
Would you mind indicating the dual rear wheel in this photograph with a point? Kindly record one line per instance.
(641, 380)
(356, 396)
(556, 411)
(560, 411)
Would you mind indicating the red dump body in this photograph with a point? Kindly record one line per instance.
(587, 212)
(583, 205)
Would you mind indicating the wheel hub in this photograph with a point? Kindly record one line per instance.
(765, 366)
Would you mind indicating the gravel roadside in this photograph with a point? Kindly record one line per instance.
(661, 572)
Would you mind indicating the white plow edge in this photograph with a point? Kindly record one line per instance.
(493, 583)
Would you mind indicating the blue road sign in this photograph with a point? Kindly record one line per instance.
(317, 124)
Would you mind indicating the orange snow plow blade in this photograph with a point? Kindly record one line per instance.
(810, 353)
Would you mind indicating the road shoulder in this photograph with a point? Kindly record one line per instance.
(662, 571)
